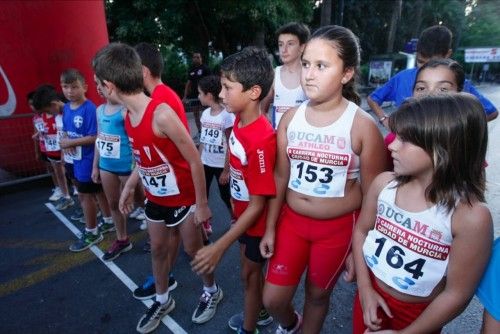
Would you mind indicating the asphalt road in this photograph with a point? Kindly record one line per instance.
(44, 288)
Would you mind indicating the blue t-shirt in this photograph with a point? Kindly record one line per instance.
(400, 87)
(488, 290)
(78, 123)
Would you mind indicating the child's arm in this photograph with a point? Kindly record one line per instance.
(126, 203)
(74, 142)
(167, 123)
(281, 176)
(370, 300)
(470, 251)
(95, 163)
(224, 176)
(207, 258)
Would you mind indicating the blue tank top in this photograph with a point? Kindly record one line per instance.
(112, 142)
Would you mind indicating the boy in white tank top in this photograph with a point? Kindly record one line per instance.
(286, 91)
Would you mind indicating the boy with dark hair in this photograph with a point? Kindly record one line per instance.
(152, 67)
(434, 42)
(171, 173)
(246, 79)
(286, 91)
(78, 141)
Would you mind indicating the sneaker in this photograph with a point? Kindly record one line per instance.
(75, 191)
(116, 249)
(147, 246)
(86, 240)
(147, 289)
(77, 215)
(236, 321)
(207, 306)
(144, 225)
(64, 203)
(105, 227)
(207, 227)
(153, 316)
(240, 331)
(56, 194)
(138, 214)
(296, 329)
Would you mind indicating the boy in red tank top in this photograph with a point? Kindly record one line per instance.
(171, 172)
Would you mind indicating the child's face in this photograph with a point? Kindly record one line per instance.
(233, 96)
(53, 109)
(409, 159)
(289, 48)
(75, 91)
(204, 98)
(435, 81)
(323, 73)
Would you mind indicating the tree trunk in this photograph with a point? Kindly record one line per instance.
(419, 6)
(396, 14)
(326, 12)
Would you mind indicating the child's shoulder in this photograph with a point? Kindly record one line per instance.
(471, 217)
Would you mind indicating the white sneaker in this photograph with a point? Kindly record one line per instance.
(75, 191)
(144, 225)
(296, 329)
(138, 214)
(207, 306)
(56, 194)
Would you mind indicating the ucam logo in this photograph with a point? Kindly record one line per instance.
(78, 121)
(8, 107)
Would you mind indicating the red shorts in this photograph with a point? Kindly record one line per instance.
(321, 245)
(403, 313)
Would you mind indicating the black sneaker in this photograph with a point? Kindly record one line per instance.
(150, 321)
(147, 290)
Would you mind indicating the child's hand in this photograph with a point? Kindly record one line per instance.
(224, 177)
(370, 302)
(35, 135)
(126, 204)
(267, 245)
(202, 214)
(96, 177)
(206, 259)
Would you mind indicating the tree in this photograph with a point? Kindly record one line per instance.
(396, 14)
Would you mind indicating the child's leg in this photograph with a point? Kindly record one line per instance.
(103, 204)
(50, 170)
(253, 281)
(89, 209)
(160, 245)
(490, 324)
(224, 191)
(58, 168)
(112, 185)
(316, 306)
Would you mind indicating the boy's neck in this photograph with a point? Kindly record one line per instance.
(135, 103)
(294, 66)
(77, 103)
(250, 114)
(151, 84)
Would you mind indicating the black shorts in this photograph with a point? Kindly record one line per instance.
(88, 187)
(169, 215)
(252, 250)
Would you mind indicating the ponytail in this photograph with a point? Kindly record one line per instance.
(350, 93)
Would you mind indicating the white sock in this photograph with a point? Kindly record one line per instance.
(163, 298)
(92, 230)
(108, 220)
(210, 289)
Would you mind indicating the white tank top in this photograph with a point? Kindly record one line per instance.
(408, 250)
(321, 158)
(284, 98)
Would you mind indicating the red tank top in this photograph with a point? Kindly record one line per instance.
(164, 172)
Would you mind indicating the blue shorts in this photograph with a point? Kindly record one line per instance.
(488, 290)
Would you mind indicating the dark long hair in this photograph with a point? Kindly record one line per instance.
(452, 129)
(347, 45)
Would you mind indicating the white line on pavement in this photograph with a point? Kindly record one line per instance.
(167, 321)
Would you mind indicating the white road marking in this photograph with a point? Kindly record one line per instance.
(167, 320)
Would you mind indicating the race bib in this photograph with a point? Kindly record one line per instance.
(211, 135)
(108, 146)
(159, 181)
(75, 154)
(318, 174)
(404, 260)
(51, 143)
(239, 190)
(39, 126)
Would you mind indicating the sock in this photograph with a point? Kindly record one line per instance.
(163, 298)
(210, 289)
(108, 220)
(92, 230)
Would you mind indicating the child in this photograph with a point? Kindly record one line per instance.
(424, 234)
(246, 79)
(437, 76)
(80, 130)
(488, 293)
(47, 147)
(434, 42)
(286, 91)
(216, 126)
(329, 151)
(171, 172)
(112, 167)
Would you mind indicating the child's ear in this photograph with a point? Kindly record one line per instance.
(255, 92)
(348, 74)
